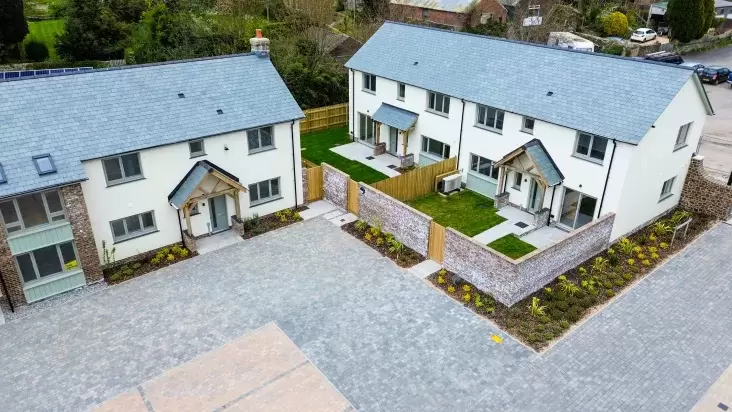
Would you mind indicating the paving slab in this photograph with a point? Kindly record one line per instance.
(317, 208)
(425, 268)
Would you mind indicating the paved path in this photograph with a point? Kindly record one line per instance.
(383, 337)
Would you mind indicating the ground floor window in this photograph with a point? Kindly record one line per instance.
(47, 261)
(666, 189)
(435, 147)
(264, 191)
(133, 226)
(517, 178)
(366, 128)
(483, 166)
(578, 209)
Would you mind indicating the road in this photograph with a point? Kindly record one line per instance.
(717, 134)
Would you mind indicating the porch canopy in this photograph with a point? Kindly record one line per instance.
(532, 158)
(395, 117)
(204, 180)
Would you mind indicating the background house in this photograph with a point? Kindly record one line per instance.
(449, 14)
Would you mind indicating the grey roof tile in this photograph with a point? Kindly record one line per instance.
(94, 114)
(610, 96)
(395, 116)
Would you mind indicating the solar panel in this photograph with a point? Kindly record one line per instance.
(55, 71)
(27, 73)
(12, 75)
(41, 72)
(71, 70)
(86, 68)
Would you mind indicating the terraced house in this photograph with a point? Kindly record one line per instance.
(135, 159)
(561, 136)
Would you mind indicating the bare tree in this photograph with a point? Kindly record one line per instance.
(530, 27)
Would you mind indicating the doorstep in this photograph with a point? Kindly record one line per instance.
(424, 269)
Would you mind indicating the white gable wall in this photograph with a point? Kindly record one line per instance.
(164, 167)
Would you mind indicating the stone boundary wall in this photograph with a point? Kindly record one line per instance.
(408, 225)
(510, 280)
(189, 242)
(704, 194)
(335, 186)
(304, 179)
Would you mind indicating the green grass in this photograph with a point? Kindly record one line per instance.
(316, 148)
(467, 212)
(511, 246)
(45, 32)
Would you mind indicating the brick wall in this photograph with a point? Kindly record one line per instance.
(9, 271)
(408, 225)
(704, 194)
(335, 186)
(459, 21)
(78, 216)
(492, 7)
(510, 280)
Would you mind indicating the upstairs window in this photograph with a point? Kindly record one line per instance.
(528, 125)
(369, 82)
(260, 139)
(591, 147)
(401, 91)
(490, 118)
(682, 136)
(44, 164)
(121, 169)
(438, 102)
(196, 148)
(3, 178)
(32, 210)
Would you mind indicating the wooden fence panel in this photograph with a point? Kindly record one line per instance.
(353, 196)
(436, 245)
(315, 183)
(324, 117)
(418, 182)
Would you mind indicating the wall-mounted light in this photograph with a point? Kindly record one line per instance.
(226, 147)
(363, 190)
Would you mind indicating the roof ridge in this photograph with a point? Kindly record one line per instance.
(128, 67)
(544, 46)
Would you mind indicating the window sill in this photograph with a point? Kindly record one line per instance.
(677, 148)
(435, 112)
(432, 156)
(516, 188)
(401, 99)
(39, 228)
(588, 159)
(262, 150)
(51, 279)
(527, 131)
(111, 184)
(369, 91)
(133, 237)
(262, 202)
(664, 197)
(488, 129)
(193, 156)
(482, 176)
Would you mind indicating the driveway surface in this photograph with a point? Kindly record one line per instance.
(384, 338)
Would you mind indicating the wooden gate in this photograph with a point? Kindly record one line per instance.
(315, 183)
(353, 196)
(436, 245)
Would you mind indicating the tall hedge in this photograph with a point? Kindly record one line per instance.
(13, 27)
(686, 18)
(616, 24)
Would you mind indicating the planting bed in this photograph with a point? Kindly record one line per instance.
(147, 262)
(384, 243)
(257, 225)
(548, 313)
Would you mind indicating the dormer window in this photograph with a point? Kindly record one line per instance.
(3, 178)
(44, 164)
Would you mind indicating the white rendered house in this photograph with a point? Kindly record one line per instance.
(567, 134)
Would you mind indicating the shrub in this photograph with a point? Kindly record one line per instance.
(136, 265)
(641, 256)
(165, 251)
(655, 256)
(610, 252)
(599, 265)
(170, 257)
(680, 216)
(565, 324)
(155, 261)
(116, 276)
(631, 262)
(663, 245)
(184, 253)
(375, 231)
(626, 246)
(627, 276)
(451, 289)
(536, 309)
(466, 288)
(652, 237)
(588, 301)
(367, 237)
(396, 247)
(545, 319)
(570, 288)
(613, 260)
(467, 297)
(548, 336)
(175, 249)
(128, 272)
(548, 292)
(556, 313)
(556, 328)
(379, 241)
(609, 293)
(36, 51)
(562, 305)
(607, 284)
(574, 314)
(440, 280)
(581, 270)
(661, 228)
(251, 223)
(616, 24)
(619, 282)
(540, 328)
(646, 262)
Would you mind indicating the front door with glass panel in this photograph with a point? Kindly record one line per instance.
(393, 140)
(578, 209)
(217, 207)
(535, 196)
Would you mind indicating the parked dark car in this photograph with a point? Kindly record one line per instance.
(715, 74)
(665, 57)
(698, 67)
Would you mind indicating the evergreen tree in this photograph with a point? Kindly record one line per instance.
(91, 32)
(710, 16)
(686, 19)
(13, 27)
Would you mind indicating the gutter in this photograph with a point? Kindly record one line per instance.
(294, 167)
(5, 293)
(180, 226)
(353, 105)
(551, 205)
(607, 178)
(460, 138)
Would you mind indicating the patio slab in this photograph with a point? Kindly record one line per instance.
(424, 269)
(359, 152)
(217, 241)
(545, 236)
(317, 208)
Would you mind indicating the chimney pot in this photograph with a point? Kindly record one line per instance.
(259, 33)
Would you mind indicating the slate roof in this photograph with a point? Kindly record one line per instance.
(192, 179)
(592, 92)
(89, 115)
(456, 6)
(395, 116)
(544, 162)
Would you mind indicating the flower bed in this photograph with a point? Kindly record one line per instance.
(547, 314)
(147, 262)
(256, 225)
(384, 243)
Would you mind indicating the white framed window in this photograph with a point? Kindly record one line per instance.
(534, 10)
(369, 82)
(3, 178)
(264, 191)
(260, 139)
(518, 177)
(134, 226)
(196, 148)
(435, 148)
(401, 91)
(122, 169)
(667, 188)
(438, 102)
(194, 210)
(32, 210)
(590, 147)
(527, 125)
(47, 261)
(366, 128)
(489, 118)
(682, 136)
(44, 164)
(483, 166)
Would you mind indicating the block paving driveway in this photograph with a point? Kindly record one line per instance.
(385, 339)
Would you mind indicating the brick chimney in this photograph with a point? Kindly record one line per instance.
(260, 45)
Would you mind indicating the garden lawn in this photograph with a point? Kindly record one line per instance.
(467, 212)
(511, 246)
(45, 32)
(316, 148)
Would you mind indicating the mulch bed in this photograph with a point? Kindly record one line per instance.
(378, 241)
(263, 224)
(581, 291)
(120, 272)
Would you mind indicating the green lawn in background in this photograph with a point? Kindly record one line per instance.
(467, 212)
(316, 148)
(45, 32)
(511, 246)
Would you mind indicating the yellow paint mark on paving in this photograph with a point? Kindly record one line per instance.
(497, 338)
